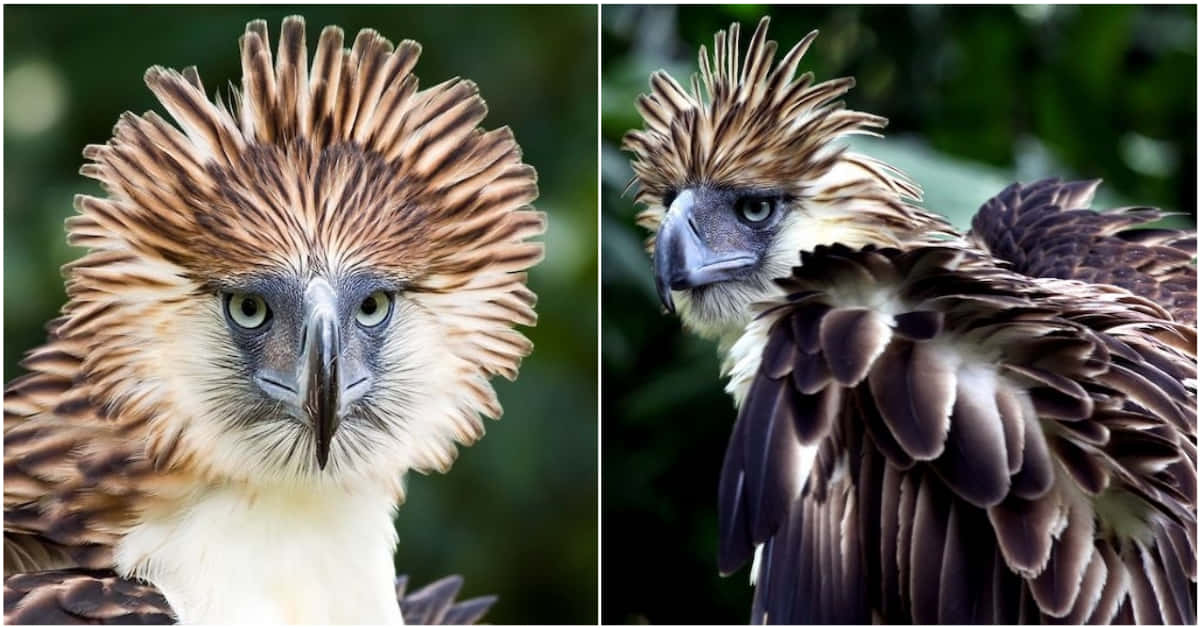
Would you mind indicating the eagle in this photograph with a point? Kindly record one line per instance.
(996, 426)
(288, 300)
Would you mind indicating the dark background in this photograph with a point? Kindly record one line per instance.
(977, 97)
(517, 515)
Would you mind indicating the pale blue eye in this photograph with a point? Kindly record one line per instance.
(374, 309)
(756, 210)
(248, 311)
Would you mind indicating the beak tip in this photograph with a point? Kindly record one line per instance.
(664, 295)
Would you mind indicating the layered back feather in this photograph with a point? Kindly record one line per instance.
(989, 448)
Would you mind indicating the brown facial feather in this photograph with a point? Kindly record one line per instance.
(347, 167)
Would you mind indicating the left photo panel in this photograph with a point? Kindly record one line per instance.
(310, 256)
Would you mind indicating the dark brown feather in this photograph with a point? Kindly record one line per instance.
(928, 541)
(1045, 229)
(851, 339)
(975, 461)
(914, 394)
(1056, 589)
(994, 493)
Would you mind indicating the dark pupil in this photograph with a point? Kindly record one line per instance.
(249, 307)
(369, 306)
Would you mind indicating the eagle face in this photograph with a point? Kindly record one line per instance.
(741, 176)
(718, 249)
(300, 373)
(312, 284)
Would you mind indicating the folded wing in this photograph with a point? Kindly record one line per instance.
(927, 437)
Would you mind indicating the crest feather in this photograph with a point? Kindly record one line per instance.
(753, 125)
(343, 160)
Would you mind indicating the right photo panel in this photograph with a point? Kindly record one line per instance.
(898, 314)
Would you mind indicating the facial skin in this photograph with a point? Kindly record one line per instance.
(309, 348)
(328, 377)
(718, 250)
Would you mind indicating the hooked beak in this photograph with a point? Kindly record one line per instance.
(683, 260)
(321, 387)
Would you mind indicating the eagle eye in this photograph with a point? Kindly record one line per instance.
(374, 309)
(755, 210)
(248, 311)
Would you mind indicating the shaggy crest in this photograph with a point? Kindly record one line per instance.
(351, 163)
(753, 125)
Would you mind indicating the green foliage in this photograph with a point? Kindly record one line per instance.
(517, 515)
(977, 97)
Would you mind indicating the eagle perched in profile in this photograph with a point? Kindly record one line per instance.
(990, 427)
(287, 303)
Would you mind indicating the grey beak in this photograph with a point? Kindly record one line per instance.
(683, 260)
(319, 366)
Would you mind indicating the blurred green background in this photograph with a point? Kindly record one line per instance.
(977, 97)
(517, 515)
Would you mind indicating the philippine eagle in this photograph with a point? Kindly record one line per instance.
(287, 303)
(990, 427)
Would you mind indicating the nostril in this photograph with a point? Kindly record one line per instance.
(277, 383)
(355, 392)
(277, 387)
(691, 220)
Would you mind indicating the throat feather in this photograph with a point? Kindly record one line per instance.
(285, 554)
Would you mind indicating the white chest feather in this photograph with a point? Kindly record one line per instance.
(286, 555)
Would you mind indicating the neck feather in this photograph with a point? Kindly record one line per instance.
(274, 555)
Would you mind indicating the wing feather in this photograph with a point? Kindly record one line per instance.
(1045, 229)
(98, 596)
(998, 448)
(78, 596)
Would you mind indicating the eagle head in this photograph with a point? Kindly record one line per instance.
(313, 283)
(741, 177)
